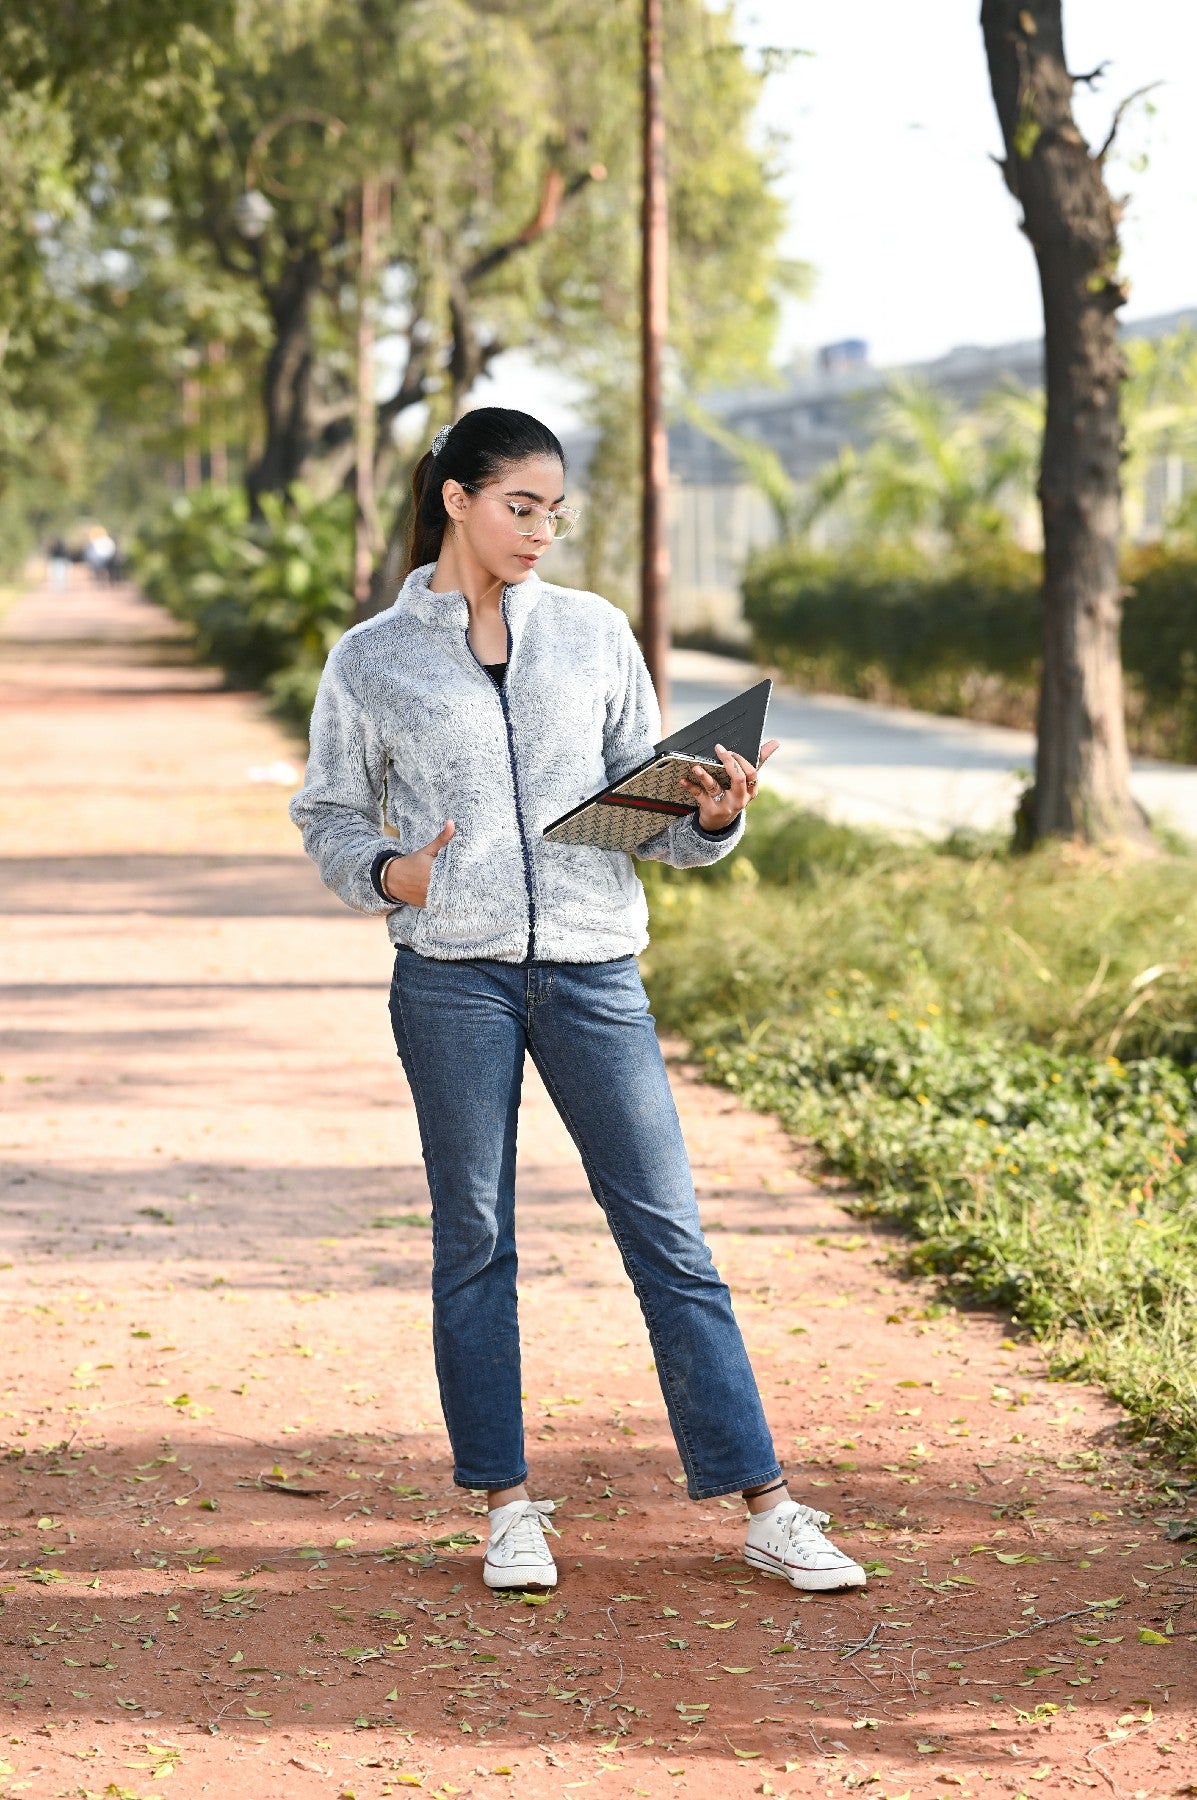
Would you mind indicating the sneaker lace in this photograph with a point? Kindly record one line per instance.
(526, 1525)
(806, 1522)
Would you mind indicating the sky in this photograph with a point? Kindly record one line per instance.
(892, 192)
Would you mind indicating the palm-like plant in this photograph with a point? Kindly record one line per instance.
(939, 478)
(1159, 414)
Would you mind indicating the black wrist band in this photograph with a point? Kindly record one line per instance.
(384, 856)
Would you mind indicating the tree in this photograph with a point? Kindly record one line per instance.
(81, 85)
(509, 161)
(216, 154)
(1081, 786)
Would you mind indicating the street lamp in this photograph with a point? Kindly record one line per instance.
(252, 214)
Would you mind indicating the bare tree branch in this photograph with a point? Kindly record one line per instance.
(1092, 78)
(555, 192)
(1119, 112)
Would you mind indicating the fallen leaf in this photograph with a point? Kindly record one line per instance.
(1147, 1636)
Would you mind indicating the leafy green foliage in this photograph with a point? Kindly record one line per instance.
(885, 625)
(1063, 1188)
(962, 636)
(1082, 955)
(998, 1051)
(267, 597)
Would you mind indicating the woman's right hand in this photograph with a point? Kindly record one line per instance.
(405, 878)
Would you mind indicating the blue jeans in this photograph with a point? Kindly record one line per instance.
(462, 1030)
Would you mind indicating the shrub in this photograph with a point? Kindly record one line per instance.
(964, 638)
(267, 598)
(998, 1052)
(1061, 1188)
(890, 627)
(1159, 650)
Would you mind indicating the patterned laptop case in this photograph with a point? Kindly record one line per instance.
(629, 812)
(635, 810)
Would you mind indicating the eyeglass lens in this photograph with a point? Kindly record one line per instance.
(560, 523)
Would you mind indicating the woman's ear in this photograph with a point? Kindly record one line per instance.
(455, 499)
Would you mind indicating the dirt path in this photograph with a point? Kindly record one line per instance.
(215, 1269)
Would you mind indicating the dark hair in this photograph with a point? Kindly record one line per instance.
(478, 447)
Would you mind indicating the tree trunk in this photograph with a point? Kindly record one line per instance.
(287, 386)
(1082, 769)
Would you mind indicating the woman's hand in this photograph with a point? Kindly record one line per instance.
(406, 878)
(717, 806)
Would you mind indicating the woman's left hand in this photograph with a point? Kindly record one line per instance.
(717, 806)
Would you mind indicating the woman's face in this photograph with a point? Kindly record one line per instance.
(505, 543)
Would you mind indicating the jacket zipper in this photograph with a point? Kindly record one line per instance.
(515, 784)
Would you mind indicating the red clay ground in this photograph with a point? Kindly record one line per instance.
(215, 1274)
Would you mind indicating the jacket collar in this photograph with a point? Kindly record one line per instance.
(450, 612)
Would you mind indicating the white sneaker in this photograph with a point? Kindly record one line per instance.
(517, 1555)
(788, 1541)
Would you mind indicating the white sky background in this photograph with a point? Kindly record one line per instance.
(891, 191)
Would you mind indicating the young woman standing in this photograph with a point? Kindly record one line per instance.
(481, 706)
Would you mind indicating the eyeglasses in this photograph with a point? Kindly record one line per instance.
(528, 519)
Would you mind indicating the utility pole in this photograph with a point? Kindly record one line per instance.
(193, 467)
(366, 533)
(218, 449)
(654, 326)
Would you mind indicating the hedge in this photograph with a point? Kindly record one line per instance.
(964, 638)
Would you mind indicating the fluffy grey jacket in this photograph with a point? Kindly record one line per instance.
(409, 726)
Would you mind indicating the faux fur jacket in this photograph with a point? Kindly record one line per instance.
(409, 726)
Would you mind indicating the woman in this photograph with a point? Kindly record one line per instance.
(481, 706)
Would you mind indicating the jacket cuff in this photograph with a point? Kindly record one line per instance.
(383, 857)
(720, 836)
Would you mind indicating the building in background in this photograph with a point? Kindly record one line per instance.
(717, 517)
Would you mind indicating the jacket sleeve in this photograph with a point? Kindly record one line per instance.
(339, 808)
(633, 727)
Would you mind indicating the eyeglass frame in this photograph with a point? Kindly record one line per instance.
(570, 514)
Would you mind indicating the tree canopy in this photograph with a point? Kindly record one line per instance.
(191, 177)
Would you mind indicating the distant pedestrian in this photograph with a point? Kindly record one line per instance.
(58, 565)
(99, 553)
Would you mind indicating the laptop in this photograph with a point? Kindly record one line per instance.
(642, 802)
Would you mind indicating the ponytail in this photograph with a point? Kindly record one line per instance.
(428, 515)
(473, 452)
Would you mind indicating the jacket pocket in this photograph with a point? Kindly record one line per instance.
(435, 898)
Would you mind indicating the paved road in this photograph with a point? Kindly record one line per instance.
(908, 771)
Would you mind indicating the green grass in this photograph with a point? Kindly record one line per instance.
(997, 1051)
